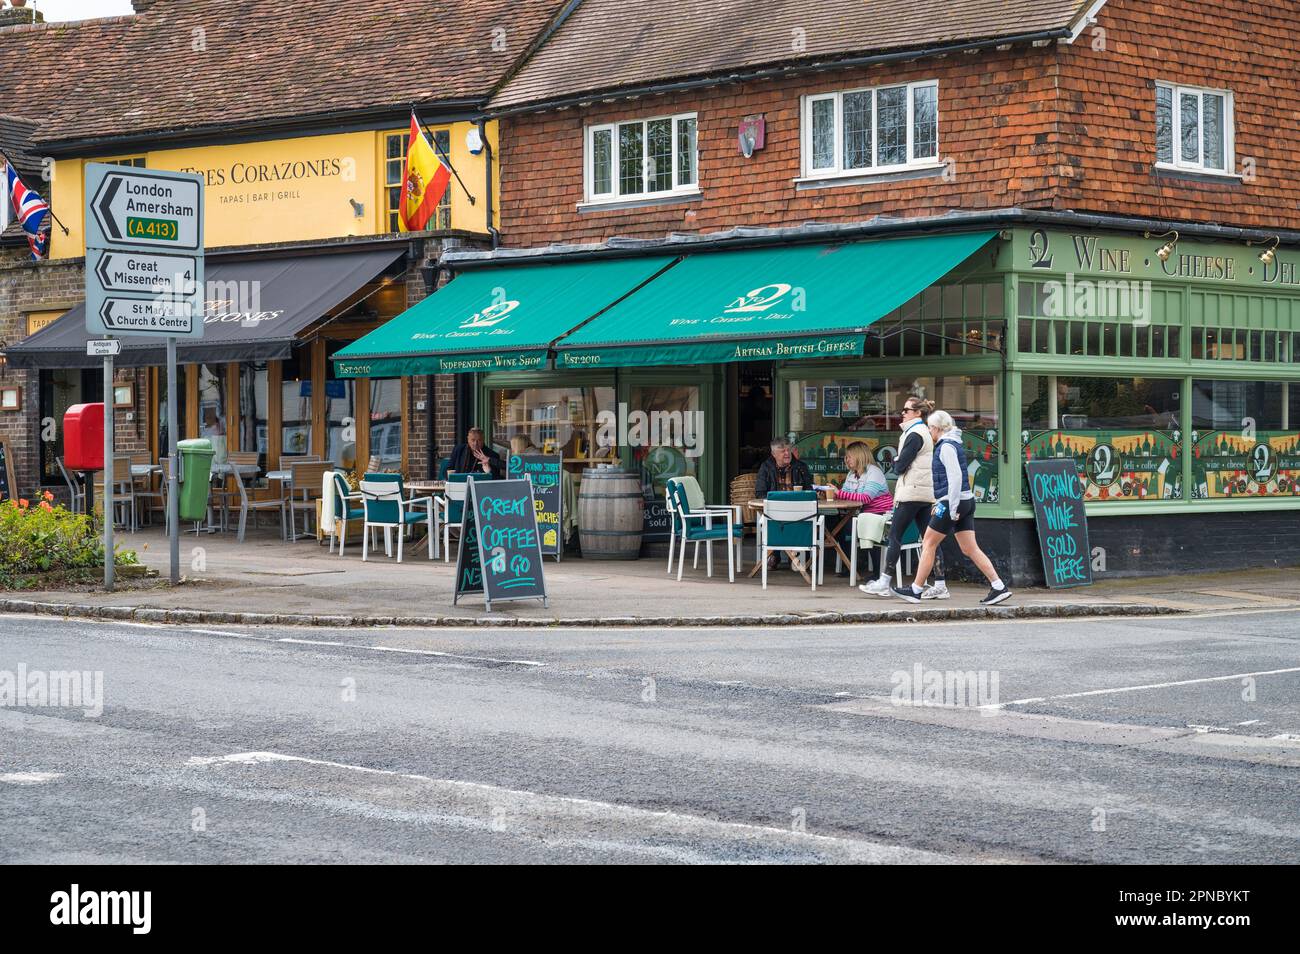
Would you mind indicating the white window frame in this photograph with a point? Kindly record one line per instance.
(592, 197)
(1176, 122)
(837, 171)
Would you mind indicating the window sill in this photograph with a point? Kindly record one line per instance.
(866, 178)
(1197, 175)
(667, 198)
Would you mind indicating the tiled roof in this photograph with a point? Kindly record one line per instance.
(15, 140)
(211, 64)
(608, 45)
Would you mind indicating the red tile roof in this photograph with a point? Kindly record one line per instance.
(608, 45)
(195, 65)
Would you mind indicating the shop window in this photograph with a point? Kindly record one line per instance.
(642, 158)
(59, 390)
(825, 415)
(160, 409)
(1121, 432)
(386, 422)
(882, 129)
(665, 434)
(212, 408)
(563, 420)
(295, 403)
(253, 396)
(340, 415)
(395, 168)
(942, 320)
(1194, 129)
(1245, 439)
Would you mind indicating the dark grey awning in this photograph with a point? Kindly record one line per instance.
(257, 309)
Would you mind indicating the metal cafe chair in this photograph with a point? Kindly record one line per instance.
(76, 489)
(703, 529)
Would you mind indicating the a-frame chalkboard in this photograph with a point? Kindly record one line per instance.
(499, 521)
(8, 486)
(1057, 496)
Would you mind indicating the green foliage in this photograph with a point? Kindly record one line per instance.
(48, 539)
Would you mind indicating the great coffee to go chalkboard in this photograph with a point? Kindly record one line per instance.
(500, 552)
(1057, 495)
(545, 471)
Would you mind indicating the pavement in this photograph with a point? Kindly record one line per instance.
(267, 581)
(1172, 739)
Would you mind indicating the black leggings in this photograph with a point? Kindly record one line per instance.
(909, 512)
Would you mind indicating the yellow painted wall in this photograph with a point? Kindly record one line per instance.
(284, 190)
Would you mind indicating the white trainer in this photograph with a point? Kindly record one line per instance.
(877, 587)
(935, 591)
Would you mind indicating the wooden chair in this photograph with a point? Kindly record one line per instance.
(302, 490)
(123, 492)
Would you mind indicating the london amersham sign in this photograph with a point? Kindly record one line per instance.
(144, 252)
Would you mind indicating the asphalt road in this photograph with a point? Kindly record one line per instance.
(1146, 740)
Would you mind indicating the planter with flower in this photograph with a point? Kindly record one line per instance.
(43, 546)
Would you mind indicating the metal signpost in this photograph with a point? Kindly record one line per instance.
(144, 276)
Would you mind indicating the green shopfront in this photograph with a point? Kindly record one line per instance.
(1173, 383)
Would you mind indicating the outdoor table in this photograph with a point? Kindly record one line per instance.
(846, 510)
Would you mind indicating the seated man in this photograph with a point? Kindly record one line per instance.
(781, 471)
(474, 457)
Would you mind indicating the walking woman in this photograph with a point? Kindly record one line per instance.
(913, 498)
(864, 482)
(953, 511)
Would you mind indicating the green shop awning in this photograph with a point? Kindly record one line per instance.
(494, 319)
(761, 304)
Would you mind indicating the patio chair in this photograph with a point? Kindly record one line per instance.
(345, 511)
(76, 489)
(868, 532)
(247, 505)
(701, 524)
(145, 490)
(790, 521)
(451, 508)
(384, 506)
(123, 492)
(301, 491)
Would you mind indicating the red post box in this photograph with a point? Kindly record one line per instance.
(83, 437)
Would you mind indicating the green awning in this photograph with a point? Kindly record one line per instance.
(760, 304)
(494, 319)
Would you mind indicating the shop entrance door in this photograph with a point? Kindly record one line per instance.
(753, 415)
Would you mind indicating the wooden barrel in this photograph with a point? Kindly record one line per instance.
(611, 513)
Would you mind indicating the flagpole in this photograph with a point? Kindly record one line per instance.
(5, 156)
(433, 140)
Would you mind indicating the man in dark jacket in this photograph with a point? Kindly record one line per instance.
(474, 457)
(782, 471)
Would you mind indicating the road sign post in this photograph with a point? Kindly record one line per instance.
(144, 276)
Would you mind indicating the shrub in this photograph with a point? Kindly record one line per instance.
(46, 538)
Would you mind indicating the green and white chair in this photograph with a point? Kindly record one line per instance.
(872, 530)
(697, 523)
(790, 522)
(451, 508)
(345, 511)
(384, 506)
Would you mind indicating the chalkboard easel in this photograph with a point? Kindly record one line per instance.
(546, 471)
(500, 520)
(1057, 494)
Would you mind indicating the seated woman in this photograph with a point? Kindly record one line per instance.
(865, 483)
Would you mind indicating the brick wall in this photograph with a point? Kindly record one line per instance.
(995, 123)
(1061, 126)
(1108, 109)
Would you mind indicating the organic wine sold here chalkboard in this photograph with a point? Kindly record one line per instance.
(1057, 495)
(500, 554)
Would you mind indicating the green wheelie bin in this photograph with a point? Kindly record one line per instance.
(196, 477)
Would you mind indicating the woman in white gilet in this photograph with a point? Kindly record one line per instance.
(913, 498)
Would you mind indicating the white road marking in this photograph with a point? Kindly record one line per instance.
(582, 813)
(1153, 685)
(29, 778)
(293, 640)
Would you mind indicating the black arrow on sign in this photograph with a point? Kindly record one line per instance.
(102, 270)
(106, 216)
(105, 311)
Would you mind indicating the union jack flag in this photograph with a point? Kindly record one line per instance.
(32, 211)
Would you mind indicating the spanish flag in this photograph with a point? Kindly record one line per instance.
(424, 181)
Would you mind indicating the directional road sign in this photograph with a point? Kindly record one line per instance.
(144, 252)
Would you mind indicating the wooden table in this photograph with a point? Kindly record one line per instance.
(846, 510)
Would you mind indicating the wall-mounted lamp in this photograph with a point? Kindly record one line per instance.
(1164, 251)
(358, 208)
(1269, 253)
